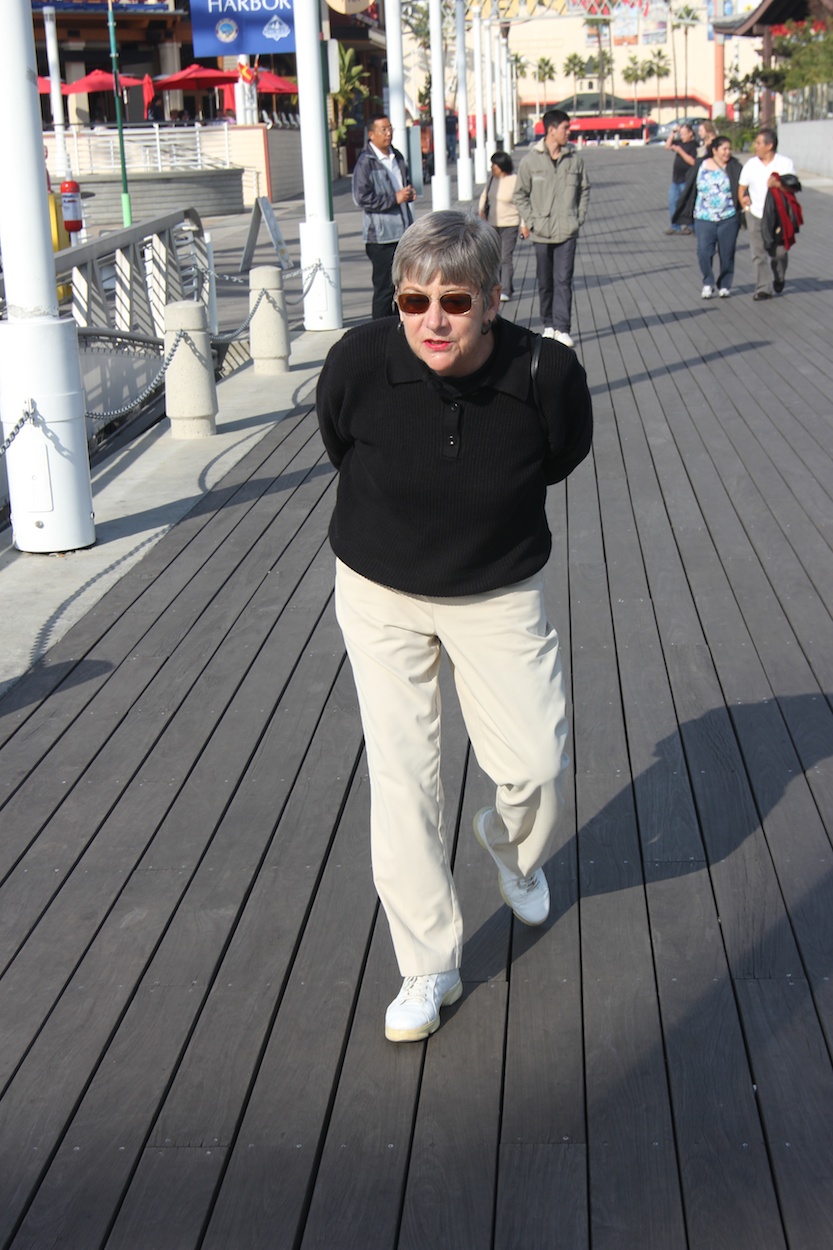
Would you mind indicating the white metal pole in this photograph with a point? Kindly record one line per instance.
(396, 74)
(47, 462)
(503, 50)
(500, 136)
(321, 272)
(440, 182)
(490, 89)
(465, 184)
(479, 139)
(56, 100)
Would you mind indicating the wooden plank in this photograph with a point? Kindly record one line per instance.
(794, 1084)
(169, 1195)
(56, 672)
(449, 1195)
(541, 1199)
(728, 1190)
(265, 1192)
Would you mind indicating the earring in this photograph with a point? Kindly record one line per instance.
(486, 328)
(400, 328)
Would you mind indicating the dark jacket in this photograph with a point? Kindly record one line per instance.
(782, 216)
(442, 488)
(384, 220)
(685, 206)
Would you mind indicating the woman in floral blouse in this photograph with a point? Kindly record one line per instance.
(710, 200)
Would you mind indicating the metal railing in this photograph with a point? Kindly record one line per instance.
(809, 104)
(149, 148)
(123, 281)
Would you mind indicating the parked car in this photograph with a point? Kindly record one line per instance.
(665, 129)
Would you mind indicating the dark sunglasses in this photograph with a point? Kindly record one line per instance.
(454, 302)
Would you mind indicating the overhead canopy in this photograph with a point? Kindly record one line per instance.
(768, 13)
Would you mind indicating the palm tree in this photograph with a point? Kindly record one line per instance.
(574, 68)
(658, 67)
(634, 73)
(598, 24)
(351, 77)
(685, 17)
(544, 71)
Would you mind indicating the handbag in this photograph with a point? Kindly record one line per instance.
(486, 201)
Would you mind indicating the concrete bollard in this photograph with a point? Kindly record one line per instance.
(190, 393)
(269, 331)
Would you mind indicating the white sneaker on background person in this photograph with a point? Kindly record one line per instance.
(563, 337)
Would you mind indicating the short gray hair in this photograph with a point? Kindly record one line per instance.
(457, 247)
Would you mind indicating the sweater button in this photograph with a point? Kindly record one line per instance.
(455, 408)
(452, 441)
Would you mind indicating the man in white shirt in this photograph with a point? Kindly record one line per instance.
(755, 181)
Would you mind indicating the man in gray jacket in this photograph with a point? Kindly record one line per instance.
(382, 188)
(551, 194)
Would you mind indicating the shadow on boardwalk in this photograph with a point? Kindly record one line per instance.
(193, 968)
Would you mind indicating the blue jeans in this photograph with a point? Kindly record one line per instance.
(722, 235)
(674, 193)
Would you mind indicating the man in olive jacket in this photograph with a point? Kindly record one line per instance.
(551, 194)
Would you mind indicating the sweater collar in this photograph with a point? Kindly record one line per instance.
(510, 361)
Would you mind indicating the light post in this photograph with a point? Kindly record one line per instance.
(318, 233)
(465, 187)
(126, 212)
(440, 181)
(479, 144)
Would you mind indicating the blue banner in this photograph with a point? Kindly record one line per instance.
(228, 27)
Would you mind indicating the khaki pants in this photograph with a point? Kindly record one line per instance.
(507, 671)
(766, 265)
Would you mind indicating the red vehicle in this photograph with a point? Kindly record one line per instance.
(607, 129)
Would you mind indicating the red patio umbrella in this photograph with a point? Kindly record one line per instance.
(99, 80)
(197, 77)
(272, 84)
(148, 92)
(45, 86)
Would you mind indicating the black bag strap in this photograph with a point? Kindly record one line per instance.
(534, 361)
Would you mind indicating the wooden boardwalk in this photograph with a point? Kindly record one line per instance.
(193, 968)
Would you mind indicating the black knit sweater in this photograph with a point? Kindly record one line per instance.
(442, 484)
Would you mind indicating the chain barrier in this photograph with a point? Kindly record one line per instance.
(236, 334)
(24, 420)
(98, 417)
(243, 280)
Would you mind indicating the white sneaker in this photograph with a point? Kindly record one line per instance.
(548, 333)
(563, 337)
(415, 1012)
(724, 292)
(528, 897)
(707, 292)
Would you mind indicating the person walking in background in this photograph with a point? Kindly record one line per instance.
(551, 195)
(444, 450)
(711, 198)
(382, 190)
(682, 143)
(706, 135)
(756, 179)
(498, 208)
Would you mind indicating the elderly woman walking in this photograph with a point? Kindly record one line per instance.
(445, 445)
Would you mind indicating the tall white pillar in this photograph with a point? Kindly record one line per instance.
(490, 89)
(47, 463)
(465, 184)
(496, 57)
(396, 74)
(440, 182)
(321, 271)
(56, 100)
(479, 139)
